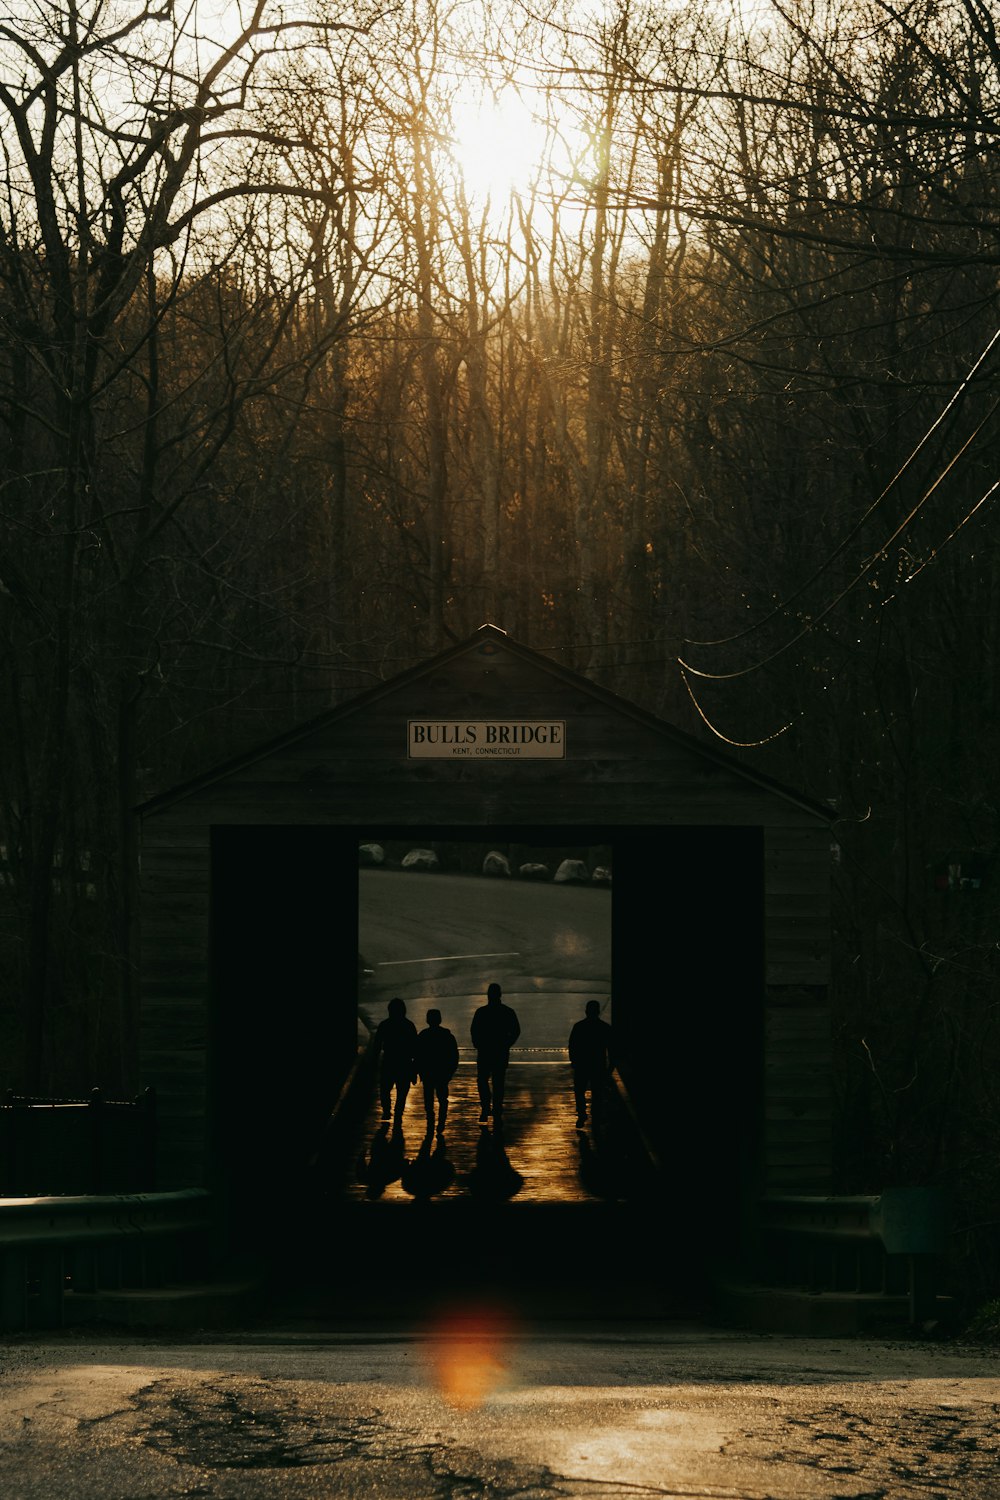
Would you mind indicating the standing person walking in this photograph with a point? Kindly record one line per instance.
(395, 1046)
(495, 1029)
(590, 1057)
(436, 1059)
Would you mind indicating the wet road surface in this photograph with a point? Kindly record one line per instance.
(488, 1411)
(439, 940)
(538, 1156)
(427, 926)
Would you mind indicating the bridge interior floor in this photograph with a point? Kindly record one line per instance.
(532, 1214)
(534, 1154)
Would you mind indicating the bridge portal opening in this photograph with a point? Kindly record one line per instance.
(673, 946)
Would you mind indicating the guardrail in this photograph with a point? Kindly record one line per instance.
(886, 1245)
(53, 1246)
(91, 1145)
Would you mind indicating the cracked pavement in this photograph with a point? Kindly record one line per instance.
(481, 1412)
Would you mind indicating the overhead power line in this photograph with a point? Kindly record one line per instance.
(879, 552)
(936, 551)
(738, 744)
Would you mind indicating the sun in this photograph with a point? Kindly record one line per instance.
(497, 145)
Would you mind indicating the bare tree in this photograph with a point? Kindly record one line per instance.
(130, 142)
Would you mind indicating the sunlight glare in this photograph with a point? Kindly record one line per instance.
(498, 145)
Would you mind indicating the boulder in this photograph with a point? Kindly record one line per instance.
(496, 863)
(572, 872)
(420, 859)
(601, 875)
(371, 854)
(534, 871)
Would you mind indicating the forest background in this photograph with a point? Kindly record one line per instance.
(663, 335)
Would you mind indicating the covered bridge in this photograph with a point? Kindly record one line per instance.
(720, 916)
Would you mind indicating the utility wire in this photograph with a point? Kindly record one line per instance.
(796, 594)
(907, 520)
(739, 744)
(936, 551)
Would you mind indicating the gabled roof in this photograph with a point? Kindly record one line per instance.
(499, 640)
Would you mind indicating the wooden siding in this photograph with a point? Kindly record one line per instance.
(797, 1099)
(353, 766)
(797, 905)
(174, 1020)
(797, 1134)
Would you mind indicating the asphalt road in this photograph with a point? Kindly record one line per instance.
(484, 1411)
(439, 940)
(515, 927)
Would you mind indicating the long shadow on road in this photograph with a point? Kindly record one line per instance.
(538, 1216)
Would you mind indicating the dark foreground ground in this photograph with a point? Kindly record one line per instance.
(476, 1408)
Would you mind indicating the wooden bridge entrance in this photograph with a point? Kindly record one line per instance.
(719, 925)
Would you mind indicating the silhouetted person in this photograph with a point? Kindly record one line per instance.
(590, 1058)
(495, 1029)
(395, 1045)
(436, 1059)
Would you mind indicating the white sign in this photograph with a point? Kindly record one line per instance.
(486, 739)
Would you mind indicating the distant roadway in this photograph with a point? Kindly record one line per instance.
(440, 939)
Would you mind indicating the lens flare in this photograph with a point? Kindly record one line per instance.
(469, 1351)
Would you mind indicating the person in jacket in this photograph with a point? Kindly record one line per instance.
(436, 1060)
(395, 1047)
(495, 1029)
(591, 1058)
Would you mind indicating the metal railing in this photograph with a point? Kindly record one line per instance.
(51, 1246)
(331, 1155)
(886, 1245)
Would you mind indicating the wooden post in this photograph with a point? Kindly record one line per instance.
(147, 1103)
(19, 1136)
(13, 1288)
(7, 1154)
(96, 1118)
(922, 1289)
